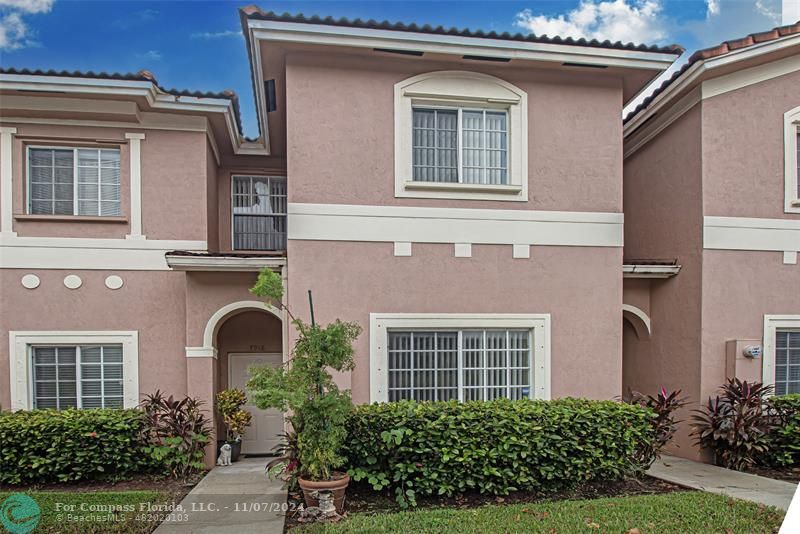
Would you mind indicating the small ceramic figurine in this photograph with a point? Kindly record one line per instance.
(224, 455)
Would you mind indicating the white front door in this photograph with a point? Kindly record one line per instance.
(263, 433)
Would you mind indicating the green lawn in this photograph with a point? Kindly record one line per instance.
(58, 515)
(678, 512)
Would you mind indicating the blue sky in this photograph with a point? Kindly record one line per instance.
(198, 45)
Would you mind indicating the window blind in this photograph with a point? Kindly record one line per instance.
(460, 145)
(88, 376)
(787, 362)
(459, 364)
(74, 181)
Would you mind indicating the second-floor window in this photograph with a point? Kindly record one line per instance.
(74, 181)
(460, 145)
(259, 212)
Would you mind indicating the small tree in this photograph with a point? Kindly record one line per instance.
(304, 387)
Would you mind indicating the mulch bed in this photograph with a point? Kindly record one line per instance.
(789, 474)
(176, 488)
(362, 498)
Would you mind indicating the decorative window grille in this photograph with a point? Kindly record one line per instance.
(259, 213)
(74, 181)
(460, 145)
(787, 362)
(84, 376)
(438, 365)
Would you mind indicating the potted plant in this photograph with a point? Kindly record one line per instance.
(236, 420)
(304, 389)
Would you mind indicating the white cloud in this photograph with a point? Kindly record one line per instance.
(28, 6)
(152, 55)
(770, 9)
(616, 20)
(730, 19)
(217, 35)
(14, 30)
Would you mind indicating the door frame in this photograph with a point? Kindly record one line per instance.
(230, 361)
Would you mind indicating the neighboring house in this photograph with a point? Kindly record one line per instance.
(458, 194)
(711, 180)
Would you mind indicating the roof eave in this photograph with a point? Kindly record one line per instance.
(300, 32)
(697, 73)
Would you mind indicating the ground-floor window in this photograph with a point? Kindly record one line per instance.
(438, 357)
(82, 376)
(459, 364)
(787, 361)
(74, 369)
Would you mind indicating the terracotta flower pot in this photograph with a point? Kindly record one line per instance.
(336, 485)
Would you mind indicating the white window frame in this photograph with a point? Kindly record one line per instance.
(21, 361)
(773, 323)
(75, 149)
(381, 323)
(467, 90)
(791, 126)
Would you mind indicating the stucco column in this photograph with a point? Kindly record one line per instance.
(6, 180)
(201, 383)
(136, 184)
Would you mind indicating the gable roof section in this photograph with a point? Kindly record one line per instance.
(141, 76)
(722, 49)
(255, 13)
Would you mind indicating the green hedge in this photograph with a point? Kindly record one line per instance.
(785, 441)
(70, 445)
(445, 448)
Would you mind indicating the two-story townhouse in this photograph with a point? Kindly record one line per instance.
(457, 193)
(711, 183)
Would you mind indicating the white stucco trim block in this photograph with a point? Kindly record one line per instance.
(381, 323)
(20, 360)
(745, 233)
(136, 184)
(6, 179)
(345, 222)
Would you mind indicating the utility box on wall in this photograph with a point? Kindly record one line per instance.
(744, 359)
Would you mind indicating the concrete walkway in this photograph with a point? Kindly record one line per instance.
(236, 498)
(723, 481)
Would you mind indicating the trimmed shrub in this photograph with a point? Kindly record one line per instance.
(785, 438)
(61, 446)
(495, 447)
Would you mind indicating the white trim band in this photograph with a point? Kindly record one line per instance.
(745, 233)
(344, 222)
(89, 253)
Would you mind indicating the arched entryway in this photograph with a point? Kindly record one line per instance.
(236, 337)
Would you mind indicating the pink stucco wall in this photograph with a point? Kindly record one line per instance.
(174, 166)
(663, 219)
(345, 104)
(743, 149)
(739, 288)
(580, 286)
(152, 303)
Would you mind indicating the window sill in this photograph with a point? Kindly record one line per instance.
(467, 188)
(71, 218)
(795, 203)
